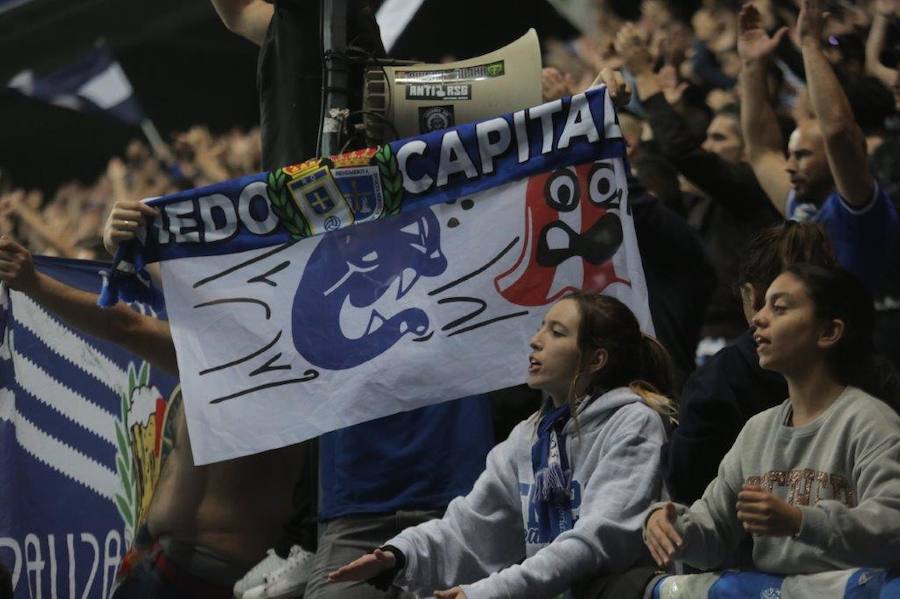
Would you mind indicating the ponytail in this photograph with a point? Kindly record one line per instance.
(656, 385)
(634, 360)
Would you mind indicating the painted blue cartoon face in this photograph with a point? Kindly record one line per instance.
(345, 309)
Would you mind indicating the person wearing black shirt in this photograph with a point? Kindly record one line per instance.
(720, 396)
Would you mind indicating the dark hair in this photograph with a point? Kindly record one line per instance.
(839, 295)
(776, 248)
(633, 359)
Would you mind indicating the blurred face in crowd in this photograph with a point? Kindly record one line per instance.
(723, 137)
(807, 164)
(554, 359)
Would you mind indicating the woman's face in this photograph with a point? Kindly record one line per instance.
(787, 332)
(553, 362)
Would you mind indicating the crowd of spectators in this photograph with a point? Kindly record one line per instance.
(739, 118)
(684, 123)
(680, 139)
(68, 223)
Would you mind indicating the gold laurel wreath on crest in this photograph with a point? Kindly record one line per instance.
(391, 179)
(283, 206)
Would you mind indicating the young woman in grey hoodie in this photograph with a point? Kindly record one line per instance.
(815, 480)
(562, 498)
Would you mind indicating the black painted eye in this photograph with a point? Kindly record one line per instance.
(602, 184)
(561, 191)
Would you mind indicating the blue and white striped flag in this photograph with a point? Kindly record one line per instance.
(82, 435)
(94, 83)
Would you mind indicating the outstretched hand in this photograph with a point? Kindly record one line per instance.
(364, 568)
(124, 221)
(754, 43)
(661, 538)
(16, 266)
(763, 513)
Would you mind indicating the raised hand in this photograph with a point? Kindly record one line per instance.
(810, 21)
(754, 43)
(125, 219)
(671, 88)
(763, 513)
(886, 8)
(661, 538)
(8, 204)
(16, 267)
(554, 84)
(364, 568)
(632, 44)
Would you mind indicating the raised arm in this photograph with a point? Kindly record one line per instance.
(143, 335)
(845, 145)
(247, 18)
(759, 124)
(885, 10)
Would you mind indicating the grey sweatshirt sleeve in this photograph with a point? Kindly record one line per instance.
(710, 527)
(625, 477)
(479, 533)
(867, 534)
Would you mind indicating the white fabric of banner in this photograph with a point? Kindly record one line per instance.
(451, 323)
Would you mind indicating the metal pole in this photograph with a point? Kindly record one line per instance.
(336, 107)
(160, 148)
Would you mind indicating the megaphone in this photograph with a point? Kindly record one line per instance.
(403, 101)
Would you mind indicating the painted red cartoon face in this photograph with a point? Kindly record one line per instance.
(571, 234)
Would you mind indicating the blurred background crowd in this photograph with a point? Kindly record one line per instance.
(688, 48)
(67, 222)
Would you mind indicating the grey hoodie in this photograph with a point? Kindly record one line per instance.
(483, 536)
(842, 470)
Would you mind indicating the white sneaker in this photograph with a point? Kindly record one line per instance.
(287, 581)
(257, 574)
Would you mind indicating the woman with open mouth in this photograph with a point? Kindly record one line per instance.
(815, 480)
(563, 498)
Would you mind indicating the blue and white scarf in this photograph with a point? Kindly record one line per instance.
(550, 499)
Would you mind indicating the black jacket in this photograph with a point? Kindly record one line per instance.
(679, 275)
(738, 208)
(716, 402)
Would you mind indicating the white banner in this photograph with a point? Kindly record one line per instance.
(280, 344)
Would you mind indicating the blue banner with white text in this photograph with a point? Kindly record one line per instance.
(82, 438)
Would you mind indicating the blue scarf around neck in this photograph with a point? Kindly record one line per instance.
(550, 497)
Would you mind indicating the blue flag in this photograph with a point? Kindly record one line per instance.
(82, 436)
(94, 83)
